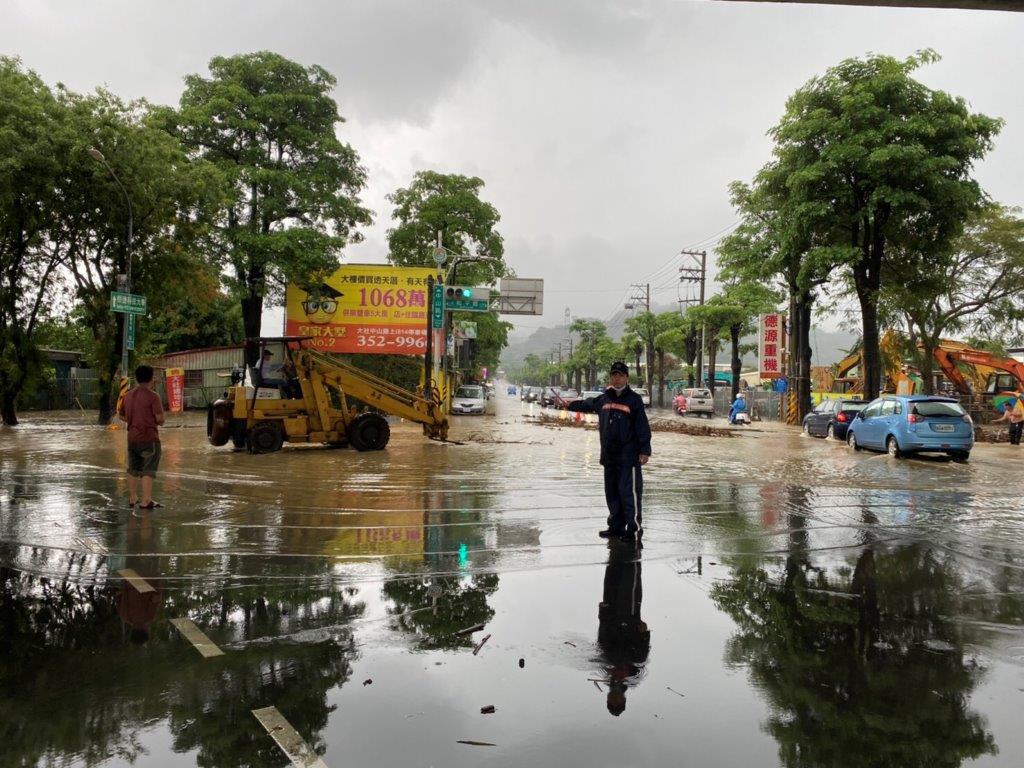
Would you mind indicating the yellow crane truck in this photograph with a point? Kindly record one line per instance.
(312, 403)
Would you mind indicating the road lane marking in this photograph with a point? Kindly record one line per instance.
(288, 739)
(141, 585)
(206, 647)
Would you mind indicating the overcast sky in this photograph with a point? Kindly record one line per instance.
(606, 132)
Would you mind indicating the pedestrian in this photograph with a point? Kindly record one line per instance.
(625, 447)
(1013, 412)
(142, 411)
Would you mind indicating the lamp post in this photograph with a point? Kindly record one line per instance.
(98, 157)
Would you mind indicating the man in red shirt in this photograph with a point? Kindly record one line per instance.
(142, 411)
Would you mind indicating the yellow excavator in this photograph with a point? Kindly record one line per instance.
(309, 401)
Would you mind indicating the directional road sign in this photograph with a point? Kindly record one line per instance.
(132, 303)
(129, 332)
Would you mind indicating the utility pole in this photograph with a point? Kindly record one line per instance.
(697, 275)
(640, 294)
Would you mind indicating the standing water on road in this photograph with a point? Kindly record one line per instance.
(794, 603)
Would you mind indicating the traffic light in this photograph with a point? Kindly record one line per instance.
(458, 292)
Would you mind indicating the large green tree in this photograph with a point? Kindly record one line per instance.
(972, 288)
(170, 197)
(270, 126)
(751, 300)
(33, 141)
(871, 159)
(450, 204)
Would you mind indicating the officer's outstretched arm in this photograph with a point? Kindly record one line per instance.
(585, 406)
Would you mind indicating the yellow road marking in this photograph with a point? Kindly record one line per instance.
(194, 635)
(141, 585)
(288, 739)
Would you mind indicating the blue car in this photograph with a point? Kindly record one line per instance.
(902, 425)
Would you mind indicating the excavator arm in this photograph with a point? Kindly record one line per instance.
(948, 359)
(374, 391)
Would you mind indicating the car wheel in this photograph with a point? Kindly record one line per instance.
(851, 440)
(893, 448)
(830, 433)
(807, 428)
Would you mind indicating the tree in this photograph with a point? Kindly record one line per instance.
(34, 141)
(643, 328)
(752, 299)
(716, 315)
(450, 204)
(594, 348)
(871, 160)
(665, 323)
(269, 125)
(88, 234)
(973, 287)
(193, 313)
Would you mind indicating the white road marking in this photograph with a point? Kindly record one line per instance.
(288, 739)
(206, 647)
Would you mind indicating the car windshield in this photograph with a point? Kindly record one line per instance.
(702, 393)
(470, 393)
(853, 405)
(937, 408)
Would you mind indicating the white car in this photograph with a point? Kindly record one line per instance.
(469, 399)
(591, 393)
(644, 395)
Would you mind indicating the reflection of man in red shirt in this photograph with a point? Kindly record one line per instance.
(142, 411)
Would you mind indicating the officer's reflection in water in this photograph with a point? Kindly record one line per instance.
(622, 635)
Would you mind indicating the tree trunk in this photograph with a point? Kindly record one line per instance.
(867, 274)
(8, 409)
(661, 378)
(804, 403)
(712, 354)
(638, 350)
(872, 373)
(737, 364)
(252, 316)
(650, 370)
(929, 345)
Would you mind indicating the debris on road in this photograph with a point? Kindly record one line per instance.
(677, 693)
(488, 710)
(368, 681)
(697, 430)
(481, 645)
(522, 663)
(470, 630)
(476, 743)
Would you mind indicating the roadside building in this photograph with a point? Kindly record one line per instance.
(207, 372)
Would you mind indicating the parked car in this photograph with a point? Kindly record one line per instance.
(566, 396)
(591, 393)
(531, 394)
(469, 399)
(644, 395)
(695, 400)
(831, 418)
(902, 425)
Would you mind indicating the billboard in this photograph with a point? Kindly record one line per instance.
(363, 308)
(771, 341)
(174, 378)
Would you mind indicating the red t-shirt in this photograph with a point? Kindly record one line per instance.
(141, 408)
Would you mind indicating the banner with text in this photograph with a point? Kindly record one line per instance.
(363, 308)
(174, 378)
(771, 342)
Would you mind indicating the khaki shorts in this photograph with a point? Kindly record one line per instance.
(143, 459)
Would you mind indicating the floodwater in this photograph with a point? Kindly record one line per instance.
(794, 603)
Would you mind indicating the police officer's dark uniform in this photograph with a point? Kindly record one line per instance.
(625, 437)
(623, 636)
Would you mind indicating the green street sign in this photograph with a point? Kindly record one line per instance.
(132, 303)
(129, 332)
(463, 298)
(437, 307)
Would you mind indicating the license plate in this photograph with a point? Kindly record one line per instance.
(942, 427)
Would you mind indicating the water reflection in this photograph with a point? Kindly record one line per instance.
(859, 662)
(70, 686)
(622, 635)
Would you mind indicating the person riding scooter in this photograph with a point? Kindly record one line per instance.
(738, 411)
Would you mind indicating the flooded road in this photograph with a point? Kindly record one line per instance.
(794, 603)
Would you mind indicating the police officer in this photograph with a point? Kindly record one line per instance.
(625, 447)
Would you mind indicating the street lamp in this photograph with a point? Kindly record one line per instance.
(98, 157)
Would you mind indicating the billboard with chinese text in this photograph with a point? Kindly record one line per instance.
(363, 308)
(771, 341)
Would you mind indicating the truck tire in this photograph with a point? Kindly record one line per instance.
(369, 432)
(265, 437)
(218, 422)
